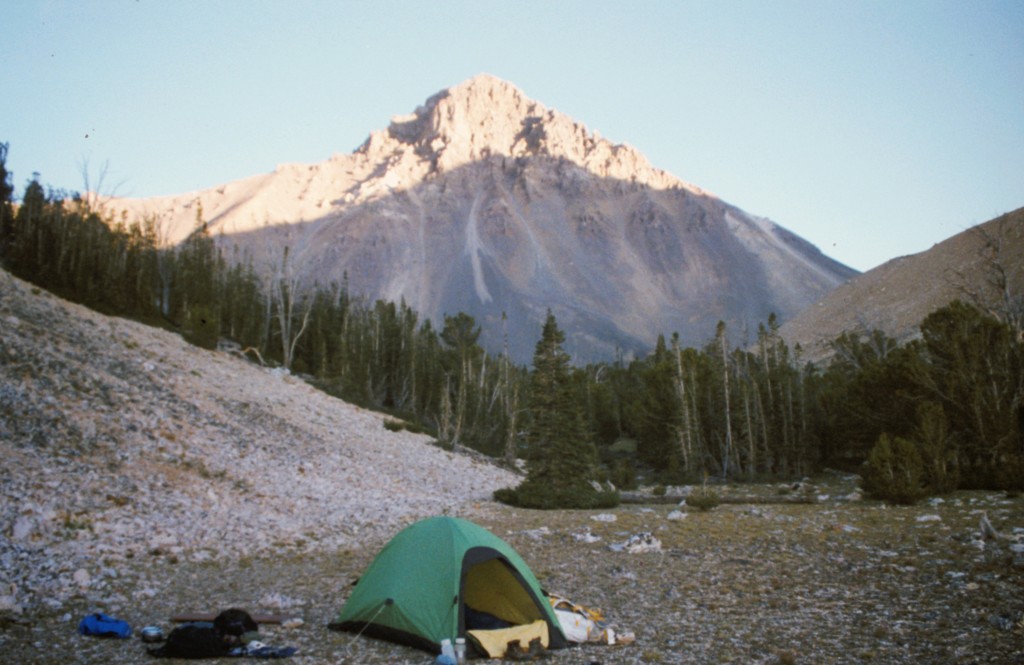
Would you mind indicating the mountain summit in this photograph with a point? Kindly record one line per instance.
(487, 116)
(487, 202)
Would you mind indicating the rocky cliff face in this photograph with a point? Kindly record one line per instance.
(487, 202)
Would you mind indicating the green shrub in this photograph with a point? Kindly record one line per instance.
(938, 455)
(415, 428)
(552, 496)
(507, 496)
(894, 471)
(395, 425)
(703, 499)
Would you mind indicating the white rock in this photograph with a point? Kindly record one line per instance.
(604, 517)
(163, 542)
(638, 544)
(9, 603)
(585, 537)
(277, 600)
(23, 528)
(82, 578)
(537, 534)
(677, 515)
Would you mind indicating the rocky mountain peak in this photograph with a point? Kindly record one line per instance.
(487, 202)
(486, 117)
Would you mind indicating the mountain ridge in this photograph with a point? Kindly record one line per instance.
(485, 201)
(896, 296)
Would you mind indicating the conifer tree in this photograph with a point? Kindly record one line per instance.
(6, 214)
(894, 471)
(657, 413)
(460, 335)
(974, 368)
(198, 279)
(561, 459)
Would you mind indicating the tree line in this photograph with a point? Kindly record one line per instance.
(741, 411)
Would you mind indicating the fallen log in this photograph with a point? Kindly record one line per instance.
(258, 618)
(648, 499)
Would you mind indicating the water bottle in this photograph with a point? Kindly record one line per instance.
(446, 649)
(460, 651)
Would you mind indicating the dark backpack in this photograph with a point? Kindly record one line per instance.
(192, 640)
(233, 623)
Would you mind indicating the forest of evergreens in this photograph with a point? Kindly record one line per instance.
(938, 413)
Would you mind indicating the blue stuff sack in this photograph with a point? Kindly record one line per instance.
(101, 625)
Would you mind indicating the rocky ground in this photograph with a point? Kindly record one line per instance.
(146, 478)
(837, 581)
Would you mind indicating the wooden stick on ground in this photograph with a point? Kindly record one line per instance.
(759, 500)
(258, 618)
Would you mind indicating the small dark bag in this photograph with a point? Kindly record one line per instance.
(233, 623)
(192, 640)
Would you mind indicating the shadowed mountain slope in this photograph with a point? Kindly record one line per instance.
(487, 202)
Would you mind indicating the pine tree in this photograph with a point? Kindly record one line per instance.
(6, 213)
(561, 460)
(973, 366)
(460, 335)
(894, 471)
(657, 413)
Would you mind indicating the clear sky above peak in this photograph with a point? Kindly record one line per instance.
(872, 128)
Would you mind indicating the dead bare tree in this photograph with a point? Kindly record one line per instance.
(724, 347)
(685, 430)
(94, 197)
(292, 303)
(510, 396)
(997, 292)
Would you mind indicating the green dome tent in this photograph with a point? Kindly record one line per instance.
(417, 589)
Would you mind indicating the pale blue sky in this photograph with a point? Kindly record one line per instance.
(872, 128)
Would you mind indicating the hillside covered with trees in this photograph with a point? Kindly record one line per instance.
(941, 412)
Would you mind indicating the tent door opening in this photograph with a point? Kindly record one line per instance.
(491, 585)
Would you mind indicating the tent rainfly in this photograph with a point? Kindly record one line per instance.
(417, 590)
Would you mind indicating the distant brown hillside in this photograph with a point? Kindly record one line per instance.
(896, 296)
